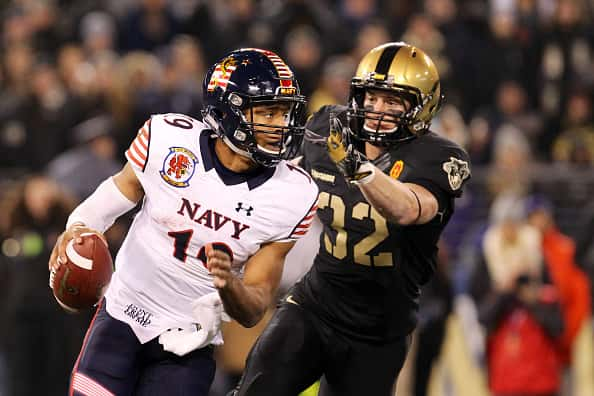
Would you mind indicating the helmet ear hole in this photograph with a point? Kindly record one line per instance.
(216, 113)
(435, 109)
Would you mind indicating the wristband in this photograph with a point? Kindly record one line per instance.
(364, 168)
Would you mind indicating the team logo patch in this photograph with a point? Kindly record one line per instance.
(396, 169)
(178, 167)
(286, 88)
(457, 171)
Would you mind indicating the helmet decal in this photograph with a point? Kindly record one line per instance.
(222, 73)
(284, 72)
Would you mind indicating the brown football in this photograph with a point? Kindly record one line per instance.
(80, 283)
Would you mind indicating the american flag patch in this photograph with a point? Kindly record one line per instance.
(137, 153)
(303, 226)
(88, 387)
(221, 75)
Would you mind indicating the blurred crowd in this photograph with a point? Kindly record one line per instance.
(79, 78)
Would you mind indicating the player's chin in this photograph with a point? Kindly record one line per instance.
(271, 146)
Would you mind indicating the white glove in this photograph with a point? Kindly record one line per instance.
(208, 312)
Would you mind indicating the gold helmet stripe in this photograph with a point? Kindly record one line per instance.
(385, 61)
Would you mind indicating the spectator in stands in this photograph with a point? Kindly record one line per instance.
(334, 84)
(41, 343)
(370, 36)
(571, 283)
(182, 77)
(148, 26)
(356, 13)
(511, 109)
(304, 54)
(512, 160)
(449, 123)
(81, 169)
(424, 34)
(136, 90)
(575, 144)
(51, 114)
(509, 54)
(98, 35)
(566, 55)
(518, 306)
(17, 66)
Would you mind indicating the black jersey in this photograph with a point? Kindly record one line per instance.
(366, 277)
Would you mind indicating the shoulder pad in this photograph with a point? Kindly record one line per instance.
(319, 122)
(441, 162)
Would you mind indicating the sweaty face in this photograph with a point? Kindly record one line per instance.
(270, 122)
(386, 107)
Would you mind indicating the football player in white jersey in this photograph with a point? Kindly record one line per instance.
(221, 207)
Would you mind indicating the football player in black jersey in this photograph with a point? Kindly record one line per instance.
(387, 189)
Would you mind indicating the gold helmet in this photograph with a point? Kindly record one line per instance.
(405, 71)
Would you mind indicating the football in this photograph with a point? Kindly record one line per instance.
(80, 283)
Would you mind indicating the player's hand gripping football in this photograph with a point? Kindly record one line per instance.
(58, 255)
(355, 167)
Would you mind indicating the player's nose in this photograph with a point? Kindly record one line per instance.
(379, 105)
(280, 120)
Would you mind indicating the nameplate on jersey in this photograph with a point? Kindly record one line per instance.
(213, 219)
(325, 177)
(178, 166)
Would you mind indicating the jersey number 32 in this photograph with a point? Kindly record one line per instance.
(362, 248)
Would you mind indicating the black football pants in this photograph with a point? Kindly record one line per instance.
(296, 349)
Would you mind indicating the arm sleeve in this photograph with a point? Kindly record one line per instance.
(102, 208)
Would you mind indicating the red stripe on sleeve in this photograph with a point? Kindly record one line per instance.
(131, 158)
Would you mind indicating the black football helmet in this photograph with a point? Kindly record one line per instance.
(242, 79)
(406, 72)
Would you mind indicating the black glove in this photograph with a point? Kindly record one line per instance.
(355, 167)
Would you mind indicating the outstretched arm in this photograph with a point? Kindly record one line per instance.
(400, 203)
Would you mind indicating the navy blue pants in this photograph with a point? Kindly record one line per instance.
(113, 362)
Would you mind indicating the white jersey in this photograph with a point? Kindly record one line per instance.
(190, 201)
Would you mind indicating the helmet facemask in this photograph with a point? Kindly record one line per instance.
(406, 125)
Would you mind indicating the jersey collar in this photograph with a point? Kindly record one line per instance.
(210, 160)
